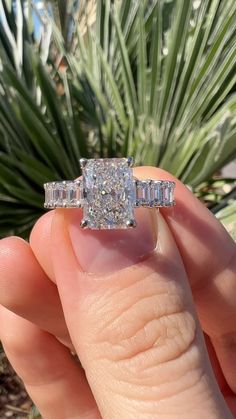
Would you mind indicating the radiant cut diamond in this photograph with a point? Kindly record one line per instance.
(108, 193)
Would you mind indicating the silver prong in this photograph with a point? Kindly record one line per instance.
(83, 162)
(131, 223)
(130, 161)
(84, 223)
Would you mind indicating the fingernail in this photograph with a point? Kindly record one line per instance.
(104, 251)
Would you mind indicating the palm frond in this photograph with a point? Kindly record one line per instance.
(153, 79)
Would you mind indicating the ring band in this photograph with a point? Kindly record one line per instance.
(108, 193)
(149, 193)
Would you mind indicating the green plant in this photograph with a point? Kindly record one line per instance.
(152, 79)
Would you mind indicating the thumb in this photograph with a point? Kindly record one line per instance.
(131, 318)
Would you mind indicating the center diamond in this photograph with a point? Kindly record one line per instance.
(108, 193)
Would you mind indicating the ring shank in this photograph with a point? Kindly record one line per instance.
(154, 193)
(148, 193)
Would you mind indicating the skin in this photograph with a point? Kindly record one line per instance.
(133, 305)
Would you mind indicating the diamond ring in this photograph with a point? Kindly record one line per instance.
(108, 193)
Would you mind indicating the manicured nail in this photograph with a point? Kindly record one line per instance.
(103, 251)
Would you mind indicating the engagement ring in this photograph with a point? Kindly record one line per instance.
(108, 193)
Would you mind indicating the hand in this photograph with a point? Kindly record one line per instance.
(129, 299)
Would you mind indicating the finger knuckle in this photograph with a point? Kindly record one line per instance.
(151, 325)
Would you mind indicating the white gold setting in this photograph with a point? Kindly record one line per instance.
(63, 194)
(108, 193)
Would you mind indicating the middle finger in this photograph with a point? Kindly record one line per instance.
(26, 290)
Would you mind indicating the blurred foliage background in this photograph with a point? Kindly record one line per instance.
(153, 79)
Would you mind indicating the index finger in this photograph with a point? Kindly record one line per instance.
(209, 256)
(197, 232)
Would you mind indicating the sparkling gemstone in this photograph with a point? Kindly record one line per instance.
(145, 193)
(72, 194)
(108, 193)
(48, 194)
(59, 194)
(157, 192)
(140, 193)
